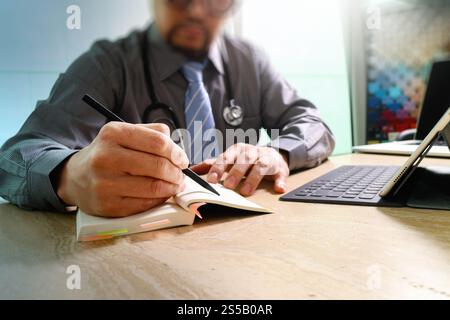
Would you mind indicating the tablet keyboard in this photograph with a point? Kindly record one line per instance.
(359, 185)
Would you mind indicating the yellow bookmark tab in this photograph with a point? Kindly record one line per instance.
(95, 238)
(117, 232)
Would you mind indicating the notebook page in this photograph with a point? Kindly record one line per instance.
(194, 193)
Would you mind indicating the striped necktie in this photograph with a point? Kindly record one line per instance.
(198, 114)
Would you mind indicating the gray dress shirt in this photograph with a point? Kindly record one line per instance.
(113, 73)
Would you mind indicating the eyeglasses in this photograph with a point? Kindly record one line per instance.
(214, 7)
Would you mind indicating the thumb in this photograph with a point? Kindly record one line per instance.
(201, 169)
(280, 183)
(204, 167)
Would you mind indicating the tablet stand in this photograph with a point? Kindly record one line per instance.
(429, 187)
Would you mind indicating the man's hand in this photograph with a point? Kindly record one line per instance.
(126, 170)
(256, 163)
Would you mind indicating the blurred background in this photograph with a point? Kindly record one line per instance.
(363, 63)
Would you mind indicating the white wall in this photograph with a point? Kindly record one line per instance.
(305, 40)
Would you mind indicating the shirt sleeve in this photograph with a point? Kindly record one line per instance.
(58, 127)
(305, 137)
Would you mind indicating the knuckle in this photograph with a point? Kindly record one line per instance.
(248, 158)
(161, 127)
(109, 131)
(113, 130)
(262, 162)
(263, 166)
(161, 141)
(227, 159)
(220, 160)
(126, 130)
(161, 165)
(156, 188)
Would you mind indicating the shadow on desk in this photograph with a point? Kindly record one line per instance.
(433, 224)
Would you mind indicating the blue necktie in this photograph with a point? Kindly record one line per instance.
(198, 114)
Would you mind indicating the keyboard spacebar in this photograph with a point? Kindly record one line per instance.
(327, 193)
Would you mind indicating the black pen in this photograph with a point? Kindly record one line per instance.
(111, 116)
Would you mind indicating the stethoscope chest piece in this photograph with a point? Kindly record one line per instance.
(233, 114)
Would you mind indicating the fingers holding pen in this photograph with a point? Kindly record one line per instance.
(152, 139)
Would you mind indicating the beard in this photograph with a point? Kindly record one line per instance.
(193, 54)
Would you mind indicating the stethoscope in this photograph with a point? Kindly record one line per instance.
(233, 114)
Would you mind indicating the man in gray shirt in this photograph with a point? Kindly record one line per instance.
(66, 154)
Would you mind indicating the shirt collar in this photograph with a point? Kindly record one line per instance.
(215, 56)
(168, 61)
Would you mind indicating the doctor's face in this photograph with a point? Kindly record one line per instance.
(190, 26)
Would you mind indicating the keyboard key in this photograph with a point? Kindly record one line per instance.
(320, 193)
(366, 196)
(334, 194)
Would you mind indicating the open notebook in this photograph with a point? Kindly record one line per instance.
(179, 212)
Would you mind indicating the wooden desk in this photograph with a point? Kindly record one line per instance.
(303, 251)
